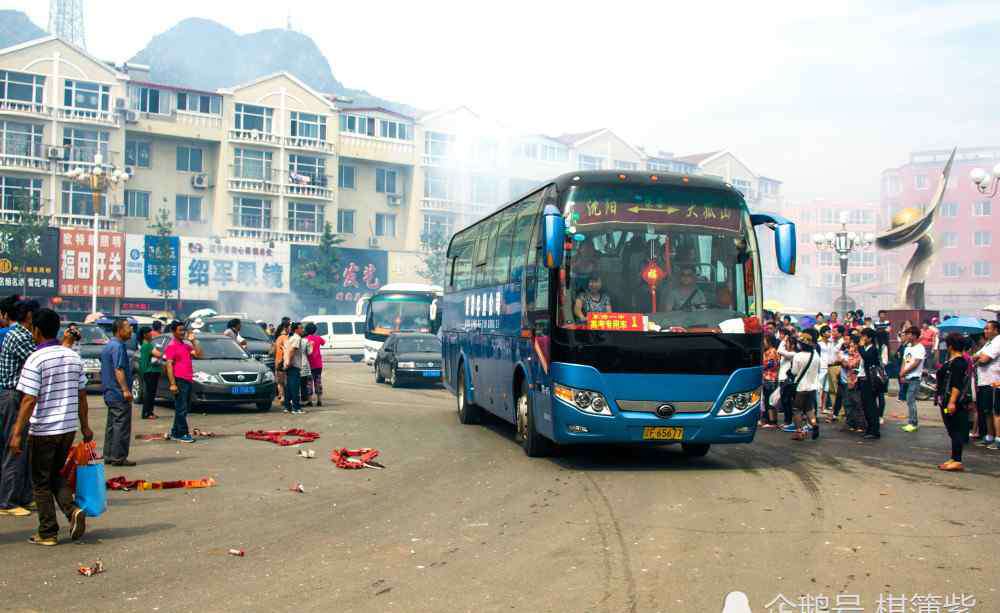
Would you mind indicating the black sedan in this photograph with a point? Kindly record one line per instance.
(410, 357)
(225, 374)
(93, 340)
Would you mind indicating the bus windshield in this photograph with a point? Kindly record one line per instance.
(400, 313)
(657, 258)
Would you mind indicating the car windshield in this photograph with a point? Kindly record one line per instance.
(89, 335)
(221, 349)
(419, 345)
(249, 330)
(401, 313)
(656, 258)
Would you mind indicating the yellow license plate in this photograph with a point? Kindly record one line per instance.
(662, 433)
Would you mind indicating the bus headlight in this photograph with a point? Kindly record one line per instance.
(582, 400)
(740, 402)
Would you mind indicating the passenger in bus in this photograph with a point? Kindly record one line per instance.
(685, 295)
(594, 300)
(724, 298)
(584, 265)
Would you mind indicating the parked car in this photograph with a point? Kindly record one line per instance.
(259, 344)
(225, 374)
(93, 338)
(409, 357)
(344, 335)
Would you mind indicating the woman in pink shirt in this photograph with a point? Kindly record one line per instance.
(315, 365)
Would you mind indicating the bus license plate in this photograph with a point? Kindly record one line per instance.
(662, 433)
(243, 389)
(432, 373)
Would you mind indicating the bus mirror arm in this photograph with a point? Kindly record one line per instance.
(553, 237)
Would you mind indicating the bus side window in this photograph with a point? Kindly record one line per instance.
(501, 255)
(538, 275)
(484, 252)
(464, 247)
(519, 252)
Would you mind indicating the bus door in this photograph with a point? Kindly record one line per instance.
(537, 319)
(503, 328)
(484, 305)
(458, 304)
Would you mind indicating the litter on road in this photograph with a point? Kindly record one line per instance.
(239, 553)
(278, 437)
(95, 569)
(343, 458)
(307, 453)
(125, 485)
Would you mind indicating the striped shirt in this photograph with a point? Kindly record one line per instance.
(54, 376)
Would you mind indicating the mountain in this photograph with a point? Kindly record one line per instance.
(178, 57)
(15, 28)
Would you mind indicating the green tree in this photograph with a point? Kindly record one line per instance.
(23, 241)
(319, 275)
(164, 229)
(434, 256)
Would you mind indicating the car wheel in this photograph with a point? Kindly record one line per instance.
(695, 450)
(534, 444)
(378, 374)
(137, 389)
(467, 413)
(393, 380)
(356, 358)
(264, 405)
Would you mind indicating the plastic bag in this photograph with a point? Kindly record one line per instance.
(775, 398)
(91, 491)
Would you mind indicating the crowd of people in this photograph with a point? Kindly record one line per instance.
(834, 369)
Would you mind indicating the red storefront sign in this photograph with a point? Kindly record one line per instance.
(77, 264)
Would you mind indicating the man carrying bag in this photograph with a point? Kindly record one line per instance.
(54, 402)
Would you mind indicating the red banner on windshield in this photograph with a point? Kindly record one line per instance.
(693, 215)
(626, 322)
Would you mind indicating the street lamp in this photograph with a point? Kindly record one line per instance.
(843, 243)
(99, 181)
(986, 182)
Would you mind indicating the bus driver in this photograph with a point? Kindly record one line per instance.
(594, 300)
(685, 295)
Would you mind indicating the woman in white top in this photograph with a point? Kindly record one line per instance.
(786, 349)
(805, 370)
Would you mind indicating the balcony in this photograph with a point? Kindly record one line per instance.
(250, 178)
(199, 120)
(377, 149)
(104, 118)
(248, 228)
(254, 137)
(181, 124)
(72, 220)
(26, 109)
(314, 189)
(24, 158)
(308, 144)
(84, 158)
(455, 206)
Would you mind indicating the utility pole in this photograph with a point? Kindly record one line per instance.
(66, 21)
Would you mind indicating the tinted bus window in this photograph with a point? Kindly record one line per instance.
(484, 251)
(463, 250)
(501, 255)
(527, 213)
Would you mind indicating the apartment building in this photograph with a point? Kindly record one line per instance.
(761, 192)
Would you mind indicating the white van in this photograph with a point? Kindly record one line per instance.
(344, 335)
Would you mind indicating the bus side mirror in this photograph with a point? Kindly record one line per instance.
(553, 237)
(784, 239)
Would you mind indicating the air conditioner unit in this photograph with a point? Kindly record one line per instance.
(372, 242)
(118, 210)
(131, 116)
(54, 152)
(394, 199)
(199, 181)
(120, 103)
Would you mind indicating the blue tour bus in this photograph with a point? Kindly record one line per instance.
(612, 307)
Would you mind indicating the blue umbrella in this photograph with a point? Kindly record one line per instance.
(965, 325)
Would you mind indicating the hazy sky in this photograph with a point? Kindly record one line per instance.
(823, 95)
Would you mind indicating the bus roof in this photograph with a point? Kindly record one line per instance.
(410, 287)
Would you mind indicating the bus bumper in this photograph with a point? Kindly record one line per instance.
(573, 426)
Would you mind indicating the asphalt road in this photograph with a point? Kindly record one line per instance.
(462, 520)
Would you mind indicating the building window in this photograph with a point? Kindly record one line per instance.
(830, 279)
(137, 153)
(394, 129)
(528, 151)
(307, 170)
(79, 200)
(188, 208)
(385, 224)
(982, 209)
(189, 159)
(434, 223)
(920, 181)
(252, 164)
(438, 144)
(982, 238)
(891, 185)
(949, 240)
(83, 145)
(484, 190)
(486, 153)
(435, 186)
(252, 213)
(385, 181)
(21, 139)
(949, 209)
(250, 117)
(307, 125)
(345, 221)
(347, 177)
(357, 124)
(952, 269)
(16, 191)
(86, 96)
(304, 217)
(199, 103)
(626, 165)
(21, 87)
(861, 258)
(657, 166)
(136, 203)
(555, 153)
(981, 269)
(147, 100)
(589, 162)
(742, 186)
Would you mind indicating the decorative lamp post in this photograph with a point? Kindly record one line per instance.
(843, 242)
(987, 183)
(100, 181)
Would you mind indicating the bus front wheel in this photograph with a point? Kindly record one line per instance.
(535, 445)
(467, 413)
(695, 450)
